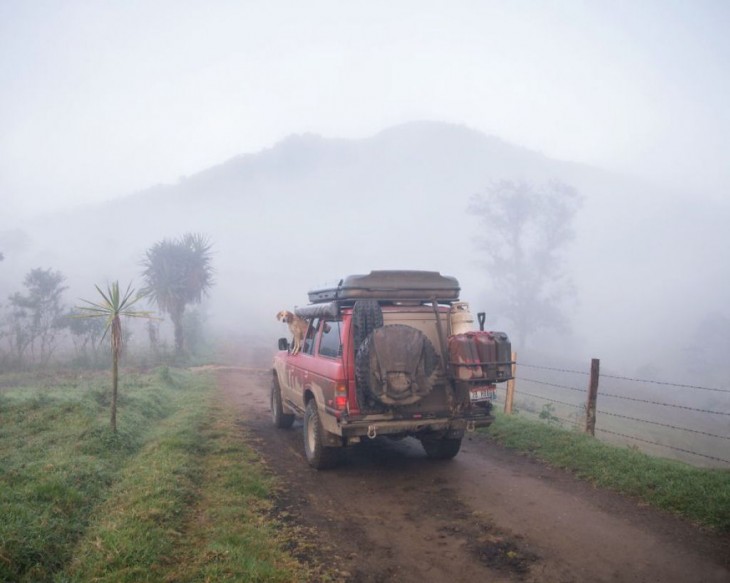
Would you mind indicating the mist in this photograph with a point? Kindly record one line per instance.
(312, 142)
(311, 210)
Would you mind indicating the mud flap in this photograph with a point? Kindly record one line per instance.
(332, 439)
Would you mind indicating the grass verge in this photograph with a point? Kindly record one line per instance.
(58, 459)
(133, 533)
(232, 535)
(702, 495)
(175, 495)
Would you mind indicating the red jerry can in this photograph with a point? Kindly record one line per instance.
(464, 357)
(487, 351)
(504, 356)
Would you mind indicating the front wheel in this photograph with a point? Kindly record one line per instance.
(280, 419)
(319, 456)
(444, 448)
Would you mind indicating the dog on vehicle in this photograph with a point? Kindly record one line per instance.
(297, 326)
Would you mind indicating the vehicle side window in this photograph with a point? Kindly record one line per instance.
(330, 343)
(308, 346)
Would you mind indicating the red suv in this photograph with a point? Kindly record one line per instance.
(390, 353)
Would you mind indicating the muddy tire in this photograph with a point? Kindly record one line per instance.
(278, 417)
(366, 317)
(444, 448)
(319, 456)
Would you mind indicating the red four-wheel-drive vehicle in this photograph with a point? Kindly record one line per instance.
(391, 353)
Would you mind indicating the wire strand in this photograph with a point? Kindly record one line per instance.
(664, 404)
(709, 457)
(519, 363)
(551, 384)
(664, 425)
(664, 383)
(552, 400)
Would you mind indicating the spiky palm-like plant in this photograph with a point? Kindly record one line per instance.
(178, 272)
(113, 306)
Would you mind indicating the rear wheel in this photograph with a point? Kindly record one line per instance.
(280, 419)
(444, 448)
(319, 456)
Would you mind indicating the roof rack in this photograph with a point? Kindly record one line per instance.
(396, 285)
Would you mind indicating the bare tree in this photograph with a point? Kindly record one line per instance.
(525, 230)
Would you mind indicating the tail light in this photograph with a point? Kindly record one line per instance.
(341, 397)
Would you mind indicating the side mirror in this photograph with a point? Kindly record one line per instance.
(283, 344)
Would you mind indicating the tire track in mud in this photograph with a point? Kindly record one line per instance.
(389, 514)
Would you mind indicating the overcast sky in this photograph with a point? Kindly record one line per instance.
(100, 98)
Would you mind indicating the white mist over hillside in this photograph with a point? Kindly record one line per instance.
(648, 263)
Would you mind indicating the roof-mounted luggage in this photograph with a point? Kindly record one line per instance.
(391, 286)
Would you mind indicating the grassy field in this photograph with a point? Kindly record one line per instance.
(175, 495)
(702, 495)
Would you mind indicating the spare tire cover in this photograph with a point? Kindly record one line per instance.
(394, 365)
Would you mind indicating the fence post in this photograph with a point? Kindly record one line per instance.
(592, 397)
(509, 397)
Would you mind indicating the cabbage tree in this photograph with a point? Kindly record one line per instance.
(112, 307)
(178, 272)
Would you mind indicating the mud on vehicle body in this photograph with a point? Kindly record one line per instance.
(389, 353)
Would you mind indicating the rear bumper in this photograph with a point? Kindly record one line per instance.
(374, 426)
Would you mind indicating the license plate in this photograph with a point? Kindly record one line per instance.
(483, 394)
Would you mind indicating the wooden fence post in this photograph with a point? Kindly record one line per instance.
(592, 397)
(509, 397)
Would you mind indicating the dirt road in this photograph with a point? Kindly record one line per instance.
(388, 514)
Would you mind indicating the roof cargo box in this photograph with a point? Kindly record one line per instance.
(391, 286)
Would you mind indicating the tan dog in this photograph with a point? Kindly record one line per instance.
(298, 327)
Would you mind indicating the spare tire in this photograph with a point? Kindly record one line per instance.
(366, 317)
(394, 364)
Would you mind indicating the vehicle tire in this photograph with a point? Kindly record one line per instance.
(444, 448)
(280, 419)
(366, 317)
(319, 456)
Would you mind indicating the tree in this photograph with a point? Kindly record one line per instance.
(86, 334)
(36, 316)
(178, 272)
(526, 230)
(113, 306)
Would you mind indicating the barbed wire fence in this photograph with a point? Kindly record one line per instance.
(621, 410)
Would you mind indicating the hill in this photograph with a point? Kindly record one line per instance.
(647, 263)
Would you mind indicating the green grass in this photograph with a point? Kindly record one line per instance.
(702, 495)
(175, 495)
(233, 537)
(134, 531)
(57, 458)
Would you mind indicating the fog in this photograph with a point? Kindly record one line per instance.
(102, 100)
(311, 141)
